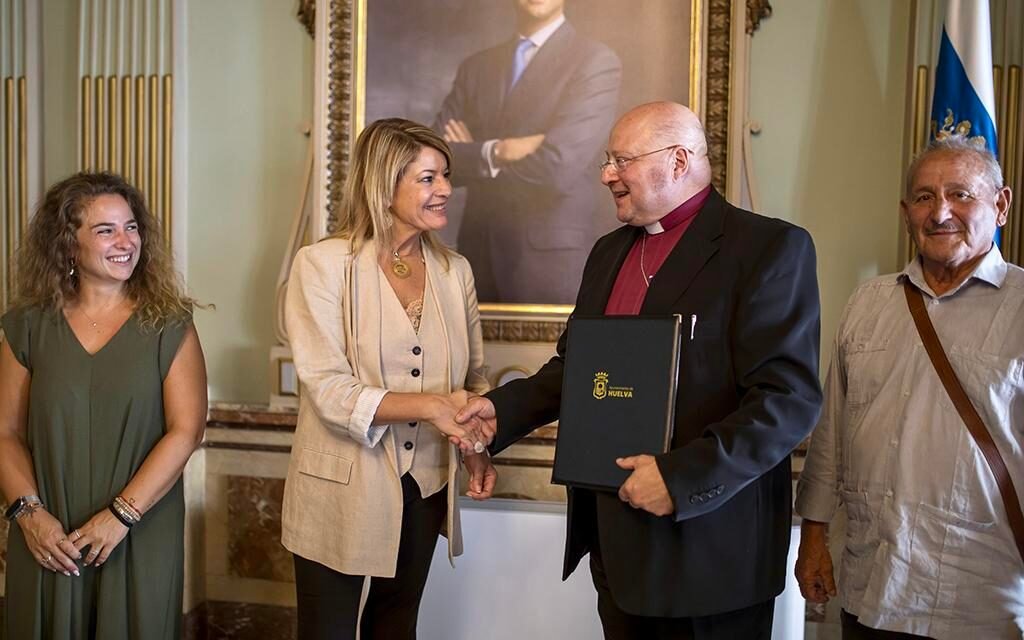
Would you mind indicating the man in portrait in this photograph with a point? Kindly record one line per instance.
(694, 544)
(526, 120)
(929, 549)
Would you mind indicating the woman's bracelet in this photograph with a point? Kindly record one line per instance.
(125, 512)
(120, 517)
(128, 508)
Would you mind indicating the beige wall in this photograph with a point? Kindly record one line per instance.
(249, 84)
(828, 88)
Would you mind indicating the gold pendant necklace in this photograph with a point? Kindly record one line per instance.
(89, 318)
(399, 266)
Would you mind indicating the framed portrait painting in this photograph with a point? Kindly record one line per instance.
(527, 143)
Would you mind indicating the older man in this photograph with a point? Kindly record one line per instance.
(928, 549)
(694, 545)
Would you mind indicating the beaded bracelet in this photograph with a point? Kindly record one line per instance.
(117, 514)
(128, 509)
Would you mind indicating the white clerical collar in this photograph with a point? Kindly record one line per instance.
(541, 35)
(654, 228)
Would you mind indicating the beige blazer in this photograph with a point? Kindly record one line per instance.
(343, 495)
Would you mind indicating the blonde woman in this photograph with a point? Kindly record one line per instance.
(102, 401)
(385, 332)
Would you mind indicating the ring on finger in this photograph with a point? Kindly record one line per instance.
(77, 534)
(48, 558)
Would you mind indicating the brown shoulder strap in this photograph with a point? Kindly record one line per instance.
(977, 428)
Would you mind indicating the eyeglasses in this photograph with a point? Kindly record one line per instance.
(621, 162)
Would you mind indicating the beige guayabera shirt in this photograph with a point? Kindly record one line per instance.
(928, 549)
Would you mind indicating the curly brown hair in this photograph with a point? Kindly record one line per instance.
(44, 277)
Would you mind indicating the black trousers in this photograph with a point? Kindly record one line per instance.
(750, 623)
(854, 630)
(328, 601)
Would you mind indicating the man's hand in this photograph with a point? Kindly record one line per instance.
(512, 150)
(814, 563)
(470, 435)
(479, 408)
(482, 476)
(456, 131)
(645, 488)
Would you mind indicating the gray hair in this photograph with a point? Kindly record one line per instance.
(958, 145)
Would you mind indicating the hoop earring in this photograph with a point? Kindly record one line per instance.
(71, 272)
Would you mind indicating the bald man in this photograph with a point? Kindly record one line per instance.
(694, 544)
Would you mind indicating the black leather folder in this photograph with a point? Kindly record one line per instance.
(618, 396)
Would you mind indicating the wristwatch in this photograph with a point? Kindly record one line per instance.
(18, 506)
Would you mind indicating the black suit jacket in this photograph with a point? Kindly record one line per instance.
(526, 231)
(748, 394)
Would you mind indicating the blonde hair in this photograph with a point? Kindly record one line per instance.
(382, 153)
(43, 276)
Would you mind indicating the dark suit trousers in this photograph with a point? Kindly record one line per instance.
(328, 601)
(751, 623)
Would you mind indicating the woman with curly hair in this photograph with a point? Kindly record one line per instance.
(102, 401)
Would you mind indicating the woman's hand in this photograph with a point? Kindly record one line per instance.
(102, 533)
(482, 476)
(47, 542)
(471, 437)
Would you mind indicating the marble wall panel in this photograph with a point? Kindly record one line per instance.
(254, 532)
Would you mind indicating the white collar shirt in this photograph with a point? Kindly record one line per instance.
(928, 550)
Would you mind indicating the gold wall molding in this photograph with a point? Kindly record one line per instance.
(14, 140)
(126, 105)
(718, 84)
(517, 331)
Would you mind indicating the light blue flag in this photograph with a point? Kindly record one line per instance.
(964, 101)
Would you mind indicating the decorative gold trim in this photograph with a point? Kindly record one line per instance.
(152, 189)
(757, 10)
(9, 172)
(22, 155)
(697, 57)
(920, 110)
(127, 139)
(101, 122)
(997, 90)
(113, 125)
(340, 119)
(140, 133)
(517, 331)
(167, 148)
(85, 160)
(306, 13)
(716, 119)
(1014, 241)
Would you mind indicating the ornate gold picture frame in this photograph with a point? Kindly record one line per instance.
(714, 31)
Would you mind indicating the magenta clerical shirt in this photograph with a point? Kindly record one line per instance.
(647, 255)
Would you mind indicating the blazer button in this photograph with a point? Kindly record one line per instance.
(412, 424)
(415, 373)
(408, 446)
(416, 351)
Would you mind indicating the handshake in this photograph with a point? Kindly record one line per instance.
(470, 423)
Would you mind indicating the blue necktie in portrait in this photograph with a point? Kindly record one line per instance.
(519, 61)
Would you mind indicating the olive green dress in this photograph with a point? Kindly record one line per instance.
(92, 420)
